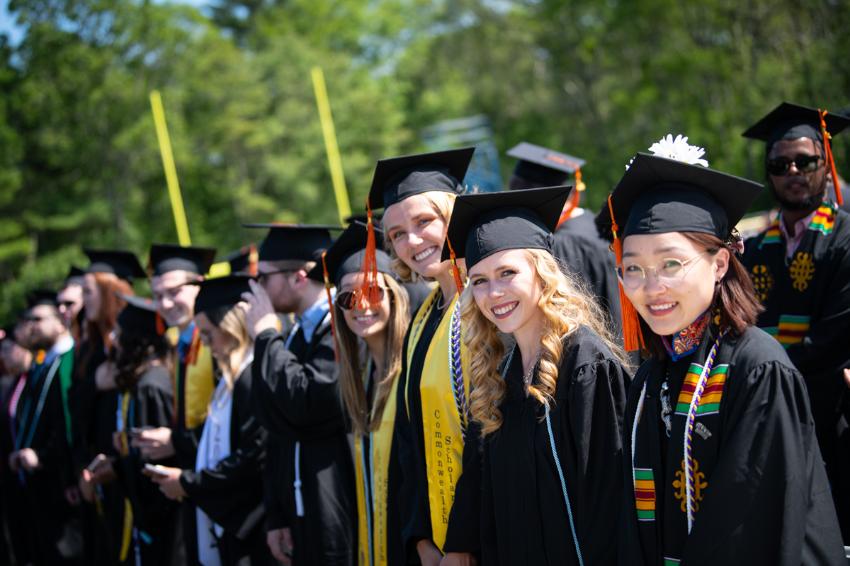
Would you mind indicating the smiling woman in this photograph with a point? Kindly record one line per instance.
(550, 413)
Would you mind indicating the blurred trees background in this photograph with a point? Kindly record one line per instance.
(80, 165)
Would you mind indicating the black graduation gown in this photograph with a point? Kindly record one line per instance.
(463, 531)
(807, 308)
(761, 492)
(14, 503)
(578, 246)
(524, 516)
(154, 516)
(296, 397)
(231, 493)
(94, 423)
(51, 523)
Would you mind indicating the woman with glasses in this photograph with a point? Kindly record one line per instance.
(722, 465)
(367, 382)
(439, 495)
(550, 411)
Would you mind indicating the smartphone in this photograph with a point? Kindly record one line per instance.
(96, 463)
(156, 469)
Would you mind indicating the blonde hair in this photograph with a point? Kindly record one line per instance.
(351, 384)
(442, 203)
(231, 320)
(565, 307)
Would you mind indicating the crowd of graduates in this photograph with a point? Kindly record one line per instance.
(463, 378)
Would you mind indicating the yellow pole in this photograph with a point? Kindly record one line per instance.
(334, 160)
(170, 170)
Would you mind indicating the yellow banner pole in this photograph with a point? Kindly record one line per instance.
(170, 170)
(334, 160)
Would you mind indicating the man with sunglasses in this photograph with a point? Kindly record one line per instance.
(310, 497)
(800, 267)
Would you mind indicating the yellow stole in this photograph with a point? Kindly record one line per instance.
(372, 522)
(199, 388)
(442, 423)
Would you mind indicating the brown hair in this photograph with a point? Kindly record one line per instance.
(735, 296)
(352, 387)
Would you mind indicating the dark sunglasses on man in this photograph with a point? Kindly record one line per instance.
(804, 163)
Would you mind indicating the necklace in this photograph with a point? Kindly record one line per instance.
(529, 375)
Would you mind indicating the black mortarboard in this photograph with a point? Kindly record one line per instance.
(221, 292)
(38, 297)
(792, 121)
(347, 253)
(659, 195)
(293, 242)
(240, 261)
(397, 178)
(74, 272)
(486, 223)
(139, 314)
(171, 257)
(541, 167)
(123, 264)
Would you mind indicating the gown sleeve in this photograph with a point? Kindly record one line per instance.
(770, 501)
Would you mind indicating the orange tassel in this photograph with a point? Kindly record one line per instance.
(160, 324)
(572, 204)
(327, 278)
(632, 335)
(194, 348)
(369, 293)
(455, 268)
(830, 160)
(253, 260)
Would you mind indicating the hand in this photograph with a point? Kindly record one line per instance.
(100, 470)
(280, 545)
(86, 486)
(259, 312)
(154, 443)
(169, 482)
(458, 559)
(847, 377)
(104, 376)
(28, 459)
(428, 552)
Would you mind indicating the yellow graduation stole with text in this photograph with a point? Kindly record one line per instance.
(372, 521)
(442, 389)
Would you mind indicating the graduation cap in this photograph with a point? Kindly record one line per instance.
(792, 121)
(121, 263)
(139, 314)
(346, 255)
(294, 242)
(74, 272)
(658, 195)
(542, 167)
(486, 223)
(220, 292)
(172, 257)
(38, 297)
(244, 260)
(398, 178)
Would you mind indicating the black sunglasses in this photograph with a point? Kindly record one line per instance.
(347, 300)
(803, 163)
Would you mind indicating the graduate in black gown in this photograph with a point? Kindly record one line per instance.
(721, 461)
(146, 533)
(226, 482)
(310, 498)
(368, 381)
(577, 244)
(550, 412)
(800, 266)
(41, 449)
(437, 450)
(94, 397)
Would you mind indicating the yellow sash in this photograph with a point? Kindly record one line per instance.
(380, 444)
(200, 385)
(441, 421)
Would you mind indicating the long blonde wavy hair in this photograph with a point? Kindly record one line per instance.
(352, 387)
(565, 307)
(442, 203)
(232, 321)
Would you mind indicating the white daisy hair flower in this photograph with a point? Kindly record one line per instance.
(677, 148)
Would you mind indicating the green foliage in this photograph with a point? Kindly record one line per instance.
(80, 163)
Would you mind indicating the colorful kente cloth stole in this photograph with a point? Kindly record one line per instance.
(443, 391)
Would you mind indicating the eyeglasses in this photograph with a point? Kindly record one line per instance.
(348, 300)
(669, 272)
(804, 164)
